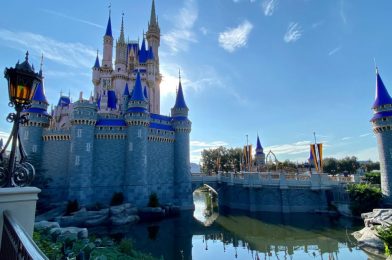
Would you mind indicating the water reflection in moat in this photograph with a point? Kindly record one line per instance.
(234, 235)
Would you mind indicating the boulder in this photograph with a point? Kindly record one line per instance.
(69, 233)
(84, 218)
(45, 225)
(381, 217)
(123, 220)
(59, 210)
(368, 240)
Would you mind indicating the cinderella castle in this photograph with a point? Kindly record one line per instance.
(116, 140)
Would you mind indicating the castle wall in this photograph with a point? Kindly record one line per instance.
(109, 166)
(161, 170)
(384, 144)
(54, 169)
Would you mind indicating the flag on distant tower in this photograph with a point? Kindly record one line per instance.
(316, 155)
(247, 154)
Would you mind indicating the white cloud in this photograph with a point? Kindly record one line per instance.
(269, 7)
(203, 30)
(346, 138)
(334, 51)
(342, 12)
(294, 148)
(72, 18)
(178, 39)
(75, 55)
(317, 24)
(365, 135)
(198, 146)
(234, 38)
(4, 136)
(293, 33)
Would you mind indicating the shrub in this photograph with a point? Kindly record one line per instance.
(364, 198)
(386, 236)
(117, 199)
(153, 201)
(126, 247)
(373, 177)
(72, 206)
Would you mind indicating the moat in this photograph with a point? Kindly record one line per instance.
(209, 233)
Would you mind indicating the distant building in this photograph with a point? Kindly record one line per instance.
(382, 128)
(117, 140)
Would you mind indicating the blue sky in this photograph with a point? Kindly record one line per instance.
(280, 68)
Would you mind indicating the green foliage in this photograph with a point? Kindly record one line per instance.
(346, 165)
(117, 199)
(364, 198)
(230, 159)
(153, 200)
(71, 249)
(373, 177)
(72, 206)
(385, 234)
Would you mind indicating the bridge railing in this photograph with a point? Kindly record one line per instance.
(16, 244)
(254, 179)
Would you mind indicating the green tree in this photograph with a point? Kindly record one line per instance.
(330, 165)
(363, 198)
(229, 159)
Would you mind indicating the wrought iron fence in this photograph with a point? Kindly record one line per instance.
(16, 244)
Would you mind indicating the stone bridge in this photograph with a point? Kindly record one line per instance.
(273, 191)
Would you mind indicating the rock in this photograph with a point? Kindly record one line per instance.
(123, 220)
(69, 233)
(367, 237)
(84, 218)
(45, 225)
(52, 214)
(381, 217)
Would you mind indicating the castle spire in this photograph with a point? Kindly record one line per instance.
(180, 101)
(96, 65)
(41, 65)
(382, 95)
(137, 93)
(109, 25)
(153, 17)
(258, 146)
(122, 38)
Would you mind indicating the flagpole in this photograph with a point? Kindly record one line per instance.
(317, 152)
(247, 153)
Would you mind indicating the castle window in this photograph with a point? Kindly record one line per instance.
(34, 148)
(79, 133)
(77, 160)
(130, 146)
(88, 147)
(26, 135)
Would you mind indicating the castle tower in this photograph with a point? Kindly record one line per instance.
(382, 128)
(137, 119)
(182, 169)
(83, 118)
(31, 132)
(108, 46)
(125, 99)
(96, 72)
(260, 156)
(121, 50)
(154, 32)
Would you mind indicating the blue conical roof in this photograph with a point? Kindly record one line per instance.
(150, 55)
(382, 95)
(109, 28)
(143, 53)
(137, 93)
(126, 90)
(39, 94)
(112, 100)
(145, 92)
(258, 146)
(96, 65)
(180, 101)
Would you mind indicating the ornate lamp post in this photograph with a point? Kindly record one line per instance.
(22, 82)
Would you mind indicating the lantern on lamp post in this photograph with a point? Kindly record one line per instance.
(22, 82)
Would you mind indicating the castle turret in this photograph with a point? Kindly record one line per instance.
(154, 32)
(108, 46)
(83, 119)
(260, 156)
(121, 51)
(182, 169)
(138, 119)
(31, 132)
(96, 73)
(125, 99)
(382, 127)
